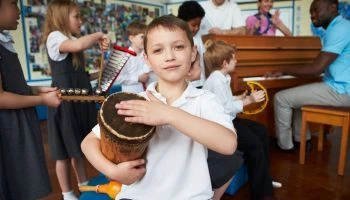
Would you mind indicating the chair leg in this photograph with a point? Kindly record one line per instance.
(303, 138)
(320, 137)
(343, 146)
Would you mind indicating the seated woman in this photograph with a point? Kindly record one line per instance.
(264, 23)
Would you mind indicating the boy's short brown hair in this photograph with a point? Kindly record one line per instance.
(135, 28)
(216, 53)
(171, 22)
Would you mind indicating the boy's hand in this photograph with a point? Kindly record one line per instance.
(257, 96)
(128, 172)
(243, 95)
(143, 78)
(153, 112)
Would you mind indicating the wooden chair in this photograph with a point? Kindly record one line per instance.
(325, 115)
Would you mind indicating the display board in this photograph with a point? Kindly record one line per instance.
(109, 16)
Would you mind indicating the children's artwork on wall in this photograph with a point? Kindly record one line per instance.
(108, 16)
(37, 62)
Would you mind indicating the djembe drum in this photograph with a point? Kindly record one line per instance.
(120, 140)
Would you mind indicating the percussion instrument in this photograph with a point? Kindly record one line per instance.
(111, 189)
(117, 60)
(120, 140)
(262, 105)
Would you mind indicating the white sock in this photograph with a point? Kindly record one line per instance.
(276, 184)
(83, 183)
(69, 195)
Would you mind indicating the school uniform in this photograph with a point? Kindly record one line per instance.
(23, 171)
(70, 122)
(177, 165)
(252, 137)
(129, 75)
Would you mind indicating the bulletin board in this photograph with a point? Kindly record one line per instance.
(108, 16)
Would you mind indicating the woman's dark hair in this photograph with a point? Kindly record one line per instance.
(190, 10)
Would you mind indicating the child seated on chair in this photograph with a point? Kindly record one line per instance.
(189, 121)
(220, 60)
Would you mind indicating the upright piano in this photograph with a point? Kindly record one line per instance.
(257, 55)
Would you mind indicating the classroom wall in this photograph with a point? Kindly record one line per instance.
(33, 57)
(297, 17)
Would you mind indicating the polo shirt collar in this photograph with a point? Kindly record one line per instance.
(189, 93)
(225, 78)
(5, 37)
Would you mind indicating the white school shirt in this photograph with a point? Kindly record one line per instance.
(226, 16)
(201, 49)
(7, 41)
(177, 166)
(53, 43)
(129, 76)
(219, 84)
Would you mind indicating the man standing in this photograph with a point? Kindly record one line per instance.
(223, 17)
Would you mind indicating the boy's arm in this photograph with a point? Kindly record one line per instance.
(9, 100)
(126, 173)
(212, 135)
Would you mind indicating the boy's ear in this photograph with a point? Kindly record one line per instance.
(194, 53)
(224, 63)
(145, 57)
(131, 37)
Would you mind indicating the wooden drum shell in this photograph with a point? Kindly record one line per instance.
(120, 147)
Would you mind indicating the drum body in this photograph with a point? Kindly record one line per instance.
(122, 141)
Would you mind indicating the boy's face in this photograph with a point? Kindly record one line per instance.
(169, 54)
(194, 25)
(137, 41)
(74, 21)
(230, 67)
(9, 15)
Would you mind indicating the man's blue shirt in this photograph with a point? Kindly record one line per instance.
(337, 40)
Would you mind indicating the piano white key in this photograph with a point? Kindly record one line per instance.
(260, 78)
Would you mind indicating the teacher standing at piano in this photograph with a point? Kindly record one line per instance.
(222, 17)
(265, 23)
(333, 61)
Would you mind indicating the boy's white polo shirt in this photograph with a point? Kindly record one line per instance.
(176, 165)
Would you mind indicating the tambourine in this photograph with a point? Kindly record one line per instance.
(252, 85)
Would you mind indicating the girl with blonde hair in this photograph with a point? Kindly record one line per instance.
(70, 122)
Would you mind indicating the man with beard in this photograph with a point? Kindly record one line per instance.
(333, 61)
